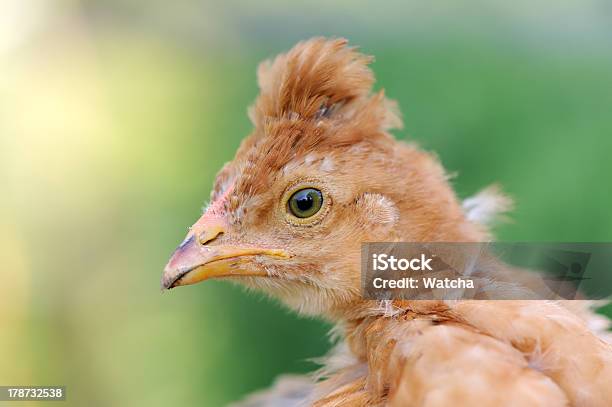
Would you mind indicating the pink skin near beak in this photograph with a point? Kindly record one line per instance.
(196, 260)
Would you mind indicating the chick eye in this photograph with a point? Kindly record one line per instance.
(305, 202)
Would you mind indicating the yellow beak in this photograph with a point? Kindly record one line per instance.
(195, 260)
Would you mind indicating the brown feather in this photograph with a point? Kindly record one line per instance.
(317, 122)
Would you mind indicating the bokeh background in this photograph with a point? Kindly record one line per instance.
(115, 116)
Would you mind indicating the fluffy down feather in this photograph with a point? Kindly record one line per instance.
(317, 123)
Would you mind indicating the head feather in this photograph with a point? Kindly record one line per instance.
(313, 75)
(315, 97)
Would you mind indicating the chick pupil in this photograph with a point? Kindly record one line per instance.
(305, 203)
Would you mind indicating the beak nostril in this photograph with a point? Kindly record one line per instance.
(207, 229)
(208, 236)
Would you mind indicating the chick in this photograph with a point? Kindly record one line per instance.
(319, 175)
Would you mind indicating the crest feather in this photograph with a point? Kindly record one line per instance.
(316, 97)
(318, 78)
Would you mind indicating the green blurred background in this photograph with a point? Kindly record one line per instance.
(116, 115)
